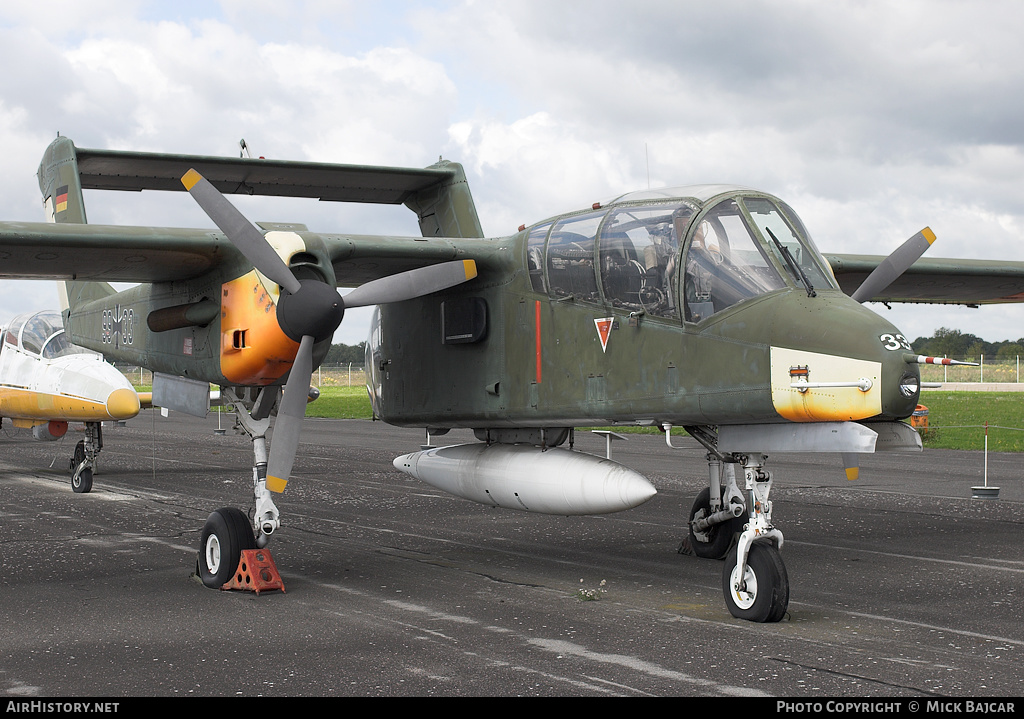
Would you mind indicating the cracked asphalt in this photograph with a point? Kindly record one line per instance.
(901, 583)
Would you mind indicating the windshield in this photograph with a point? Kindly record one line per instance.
(42, 333)
(724, 264)
(770, 221)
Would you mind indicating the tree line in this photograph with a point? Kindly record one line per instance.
(344, 354)
(961, 345)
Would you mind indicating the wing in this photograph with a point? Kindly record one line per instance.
(937, 280)
(47, 251)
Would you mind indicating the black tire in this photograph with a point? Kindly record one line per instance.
(227, 532)
(767, 595)
(715, 542)
(79, 455)
(81, 483)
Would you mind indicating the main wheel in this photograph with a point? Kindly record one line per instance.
(81, 483)
(226, 533)
(714, 542)
(764, 595)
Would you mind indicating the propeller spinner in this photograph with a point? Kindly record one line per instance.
(309, 311)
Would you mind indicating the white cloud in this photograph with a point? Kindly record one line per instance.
(871, 119)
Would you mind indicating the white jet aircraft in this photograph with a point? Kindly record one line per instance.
(46, 382)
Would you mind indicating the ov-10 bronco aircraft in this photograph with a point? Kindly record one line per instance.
(704, 307)
(46, 382)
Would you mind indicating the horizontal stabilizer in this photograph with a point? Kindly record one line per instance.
(439, 194)
(135, 171)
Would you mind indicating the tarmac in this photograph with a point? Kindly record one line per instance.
(902, 584)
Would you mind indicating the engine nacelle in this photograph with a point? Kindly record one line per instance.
(524, 477)
(49, 431)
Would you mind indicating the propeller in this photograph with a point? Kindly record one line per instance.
(308, 311)
(894, 265)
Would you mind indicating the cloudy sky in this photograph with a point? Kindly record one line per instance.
(872, 119)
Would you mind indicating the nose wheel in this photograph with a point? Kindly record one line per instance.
(84, 458)
(761, 594)
(712, 540)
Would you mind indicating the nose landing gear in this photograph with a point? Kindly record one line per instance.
(85, 458)
(754, 578)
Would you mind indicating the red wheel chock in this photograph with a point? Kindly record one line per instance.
(256, 572)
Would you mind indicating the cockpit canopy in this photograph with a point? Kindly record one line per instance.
(676, 252)
(42, 334)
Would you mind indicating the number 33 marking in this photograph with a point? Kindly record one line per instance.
(895, 342)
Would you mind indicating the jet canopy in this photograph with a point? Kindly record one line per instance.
(676, 253)
(42, 334)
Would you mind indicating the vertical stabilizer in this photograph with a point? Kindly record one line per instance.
(447, 209)
(61, 186)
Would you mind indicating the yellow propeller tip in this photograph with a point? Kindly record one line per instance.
(928, 235)
(852, 473)
(470, 268)
(190, 178)
(276, 484)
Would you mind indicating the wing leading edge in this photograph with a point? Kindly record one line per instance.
(937, 280)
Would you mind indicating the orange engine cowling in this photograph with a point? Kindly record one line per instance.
(253, 349)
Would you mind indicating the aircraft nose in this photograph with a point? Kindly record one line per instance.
(123, 404)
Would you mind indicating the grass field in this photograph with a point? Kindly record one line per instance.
(341, 403)
(956, 419)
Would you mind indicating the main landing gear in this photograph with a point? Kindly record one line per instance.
(84, 459)
(228, 531)
(754, 578)
(226, 534)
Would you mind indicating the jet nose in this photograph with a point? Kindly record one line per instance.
(123, 404)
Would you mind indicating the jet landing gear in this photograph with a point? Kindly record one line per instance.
(85, 458)
(754, 579)
(228, 531)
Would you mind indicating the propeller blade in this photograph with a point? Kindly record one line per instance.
(851, 462)
(290, 414)
(414, 283)
(894, 265)
(242, 233)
